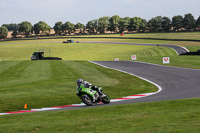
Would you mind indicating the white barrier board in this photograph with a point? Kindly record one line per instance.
(133, 57)
(166, 60)
(116, 59)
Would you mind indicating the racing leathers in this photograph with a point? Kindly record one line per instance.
(88, 85)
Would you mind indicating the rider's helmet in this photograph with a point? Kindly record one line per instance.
(79, 81)
(87, 84)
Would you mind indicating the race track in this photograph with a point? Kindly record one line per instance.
(176, 83)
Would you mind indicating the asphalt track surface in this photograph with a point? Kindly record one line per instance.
(176, 83)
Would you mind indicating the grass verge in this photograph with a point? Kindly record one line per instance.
(176, 61)
(157, 117)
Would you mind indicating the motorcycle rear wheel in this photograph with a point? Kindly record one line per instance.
(106, 100)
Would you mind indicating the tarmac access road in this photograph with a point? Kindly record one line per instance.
(178, 49)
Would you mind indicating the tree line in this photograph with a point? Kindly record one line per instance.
(114, 24)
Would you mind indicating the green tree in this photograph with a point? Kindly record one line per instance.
(95, 26)
(90, 27)
(25, 27)
(123, 24)
(41, 27)
(135, 24)
(3, 32)
(103, 24)
(155, 24)
(177, 22)
(58, 28)
(11, 27)
(198, 23)
(69, 27)
(189, 22)
(80, 26)
(143, 25)
(114, 23)
(36, 29)
(14, 34)
(166, 24)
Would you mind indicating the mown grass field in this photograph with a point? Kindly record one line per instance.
(180, 116)
(78, 51)
(22, 50)
(53, 83)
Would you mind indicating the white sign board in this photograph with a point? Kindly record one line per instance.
(133, 57)
(166, 60)
(116, 59)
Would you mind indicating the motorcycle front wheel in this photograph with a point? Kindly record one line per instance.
(87, 100)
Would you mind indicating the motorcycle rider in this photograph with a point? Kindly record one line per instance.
(85, 84)
(79, 86)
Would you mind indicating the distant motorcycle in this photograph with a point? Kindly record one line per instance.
(90, 96)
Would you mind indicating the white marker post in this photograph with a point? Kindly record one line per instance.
(133, 57)
(166, 60)
(116, 59)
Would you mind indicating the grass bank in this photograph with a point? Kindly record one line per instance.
(157, 117)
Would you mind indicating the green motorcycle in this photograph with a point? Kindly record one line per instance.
(90, 96)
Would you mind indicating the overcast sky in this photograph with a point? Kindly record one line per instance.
(52, 11)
